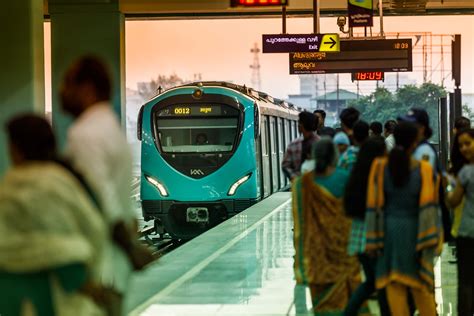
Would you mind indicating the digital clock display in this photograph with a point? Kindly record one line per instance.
(368, 75)
(257, 3)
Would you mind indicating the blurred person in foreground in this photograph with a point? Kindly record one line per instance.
(51, 233)
(462, 196)
(355, 205)
(402, 225)
(98, 148)
(360, 134)
(388, 129)
(299, 150)
(321, 232)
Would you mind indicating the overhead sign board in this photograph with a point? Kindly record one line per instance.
(287, 43)
(387, 55)
(360, 13)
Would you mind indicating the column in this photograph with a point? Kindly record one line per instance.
(21, 64)
(80, 27)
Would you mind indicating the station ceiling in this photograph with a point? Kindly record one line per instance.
(221, 8)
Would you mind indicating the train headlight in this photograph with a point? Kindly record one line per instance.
(237, 183)
(157, 184)
(197, 94)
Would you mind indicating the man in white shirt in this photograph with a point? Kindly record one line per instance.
(389, 128)
(98, 148)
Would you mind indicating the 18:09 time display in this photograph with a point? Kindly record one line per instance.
(368, 75)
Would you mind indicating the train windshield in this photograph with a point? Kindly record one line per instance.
(188, 134)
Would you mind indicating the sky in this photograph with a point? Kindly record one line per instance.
(219, 49)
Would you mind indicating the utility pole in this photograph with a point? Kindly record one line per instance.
(256, 81)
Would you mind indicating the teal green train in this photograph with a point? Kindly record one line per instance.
(208, 151)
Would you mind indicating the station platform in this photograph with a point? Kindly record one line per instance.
(244, 266)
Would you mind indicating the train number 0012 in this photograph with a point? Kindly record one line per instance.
(182, 111)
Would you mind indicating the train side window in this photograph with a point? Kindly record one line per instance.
(280, 136)
(256, 121)
(140, 123)
(264, 137)
(272, 134)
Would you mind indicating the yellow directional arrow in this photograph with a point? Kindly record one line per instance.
(330, 43)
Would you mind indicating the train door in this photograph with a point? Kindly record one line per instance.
(273, 154)
(281, 151)
(266, 171)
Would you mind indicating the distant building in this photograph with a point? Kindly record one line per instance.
(333, 103)
(301, 100)
(396, 80)
(468, 98)
(312, 86)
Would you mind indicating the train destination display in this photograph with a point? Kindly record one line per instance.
(287, 43)
(188, 110)
(385, 55)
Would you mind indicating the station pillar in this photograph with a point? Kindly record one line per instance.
(86, 27)
(21, 64)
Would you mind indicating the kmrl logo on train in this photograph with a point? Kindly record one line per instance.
(310, 43)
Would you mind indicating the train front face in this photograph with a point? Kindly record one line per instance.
(198, 158)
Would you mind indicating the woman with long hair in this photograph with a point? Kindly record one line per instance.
(355, 199)
(463, 166)
(402, 223)
(321, 232)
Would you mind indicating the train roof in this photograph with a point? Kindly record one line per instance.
(259, 95)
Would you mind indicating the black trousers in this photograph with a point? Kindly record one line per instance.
(465, 254)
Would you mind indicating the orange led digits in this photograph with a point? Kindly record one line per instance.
(257, 3)
(368, 75)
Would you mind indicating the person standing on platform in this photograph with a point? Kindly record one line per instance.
(342, 142)
(355, 204)
(323, 130)
(51, 233)
(348, 117)
(299, 150)
(375, 129)
(463, 228)
(461, 123)
(402, 225)
(389, 127)
(321, 233)
(360, 134)
(98, 148)
(426, 151)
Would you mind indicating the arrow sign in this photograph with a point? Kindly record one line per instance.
(330, 43)
(304, 43)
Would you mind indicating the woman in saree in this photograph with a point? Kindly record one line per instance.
(51, 234)
(403, 228)
(321, 232)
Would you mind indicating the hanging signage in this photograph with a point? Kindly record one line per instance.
(360, 13)
(287, 43)
(388, 55)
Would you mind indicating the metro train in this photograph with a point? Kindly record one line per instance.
(208, 151)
